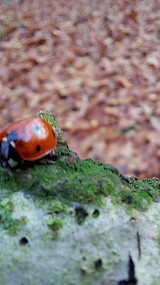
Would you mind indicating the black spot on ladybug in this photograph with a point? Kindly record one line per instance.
(38, 148)
(23, 241)
(98, 263)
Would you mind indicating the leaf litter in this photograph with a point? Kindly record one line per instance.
(96, 66)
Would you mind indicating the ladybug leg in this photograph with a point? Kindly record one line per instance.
(4, 151)
(14, 158)
(5, 148)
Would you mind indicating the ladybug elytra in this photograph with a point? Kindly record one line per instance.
(29, 139)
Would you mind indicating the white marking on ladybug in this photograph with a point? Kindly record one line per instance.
(12, 144)
(4, 139)
(12, 162)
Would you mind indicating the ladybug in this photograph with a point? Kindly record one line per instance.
(26, 140)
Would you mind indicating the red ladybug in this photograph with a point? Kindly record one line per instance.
(29, 139)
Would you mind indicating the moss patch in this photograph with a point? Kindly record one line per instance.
(48, 116)
(69, 179)
(6, 220)
(55, 225)
(57, 208)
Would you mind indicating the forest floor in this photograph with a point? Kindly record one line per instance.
(96, 65)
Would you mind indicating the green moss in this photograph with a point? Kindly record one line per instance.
(68, 179)
(57, 208)
(6, 220)
(81, 181)
(55, 225)
(158, 240)
(145, 192)
(48, 116)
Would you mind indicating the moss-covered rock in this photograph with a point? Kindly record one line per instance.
(69, 221)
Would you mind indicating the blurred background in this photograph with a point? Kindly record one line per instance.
(95, 64)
